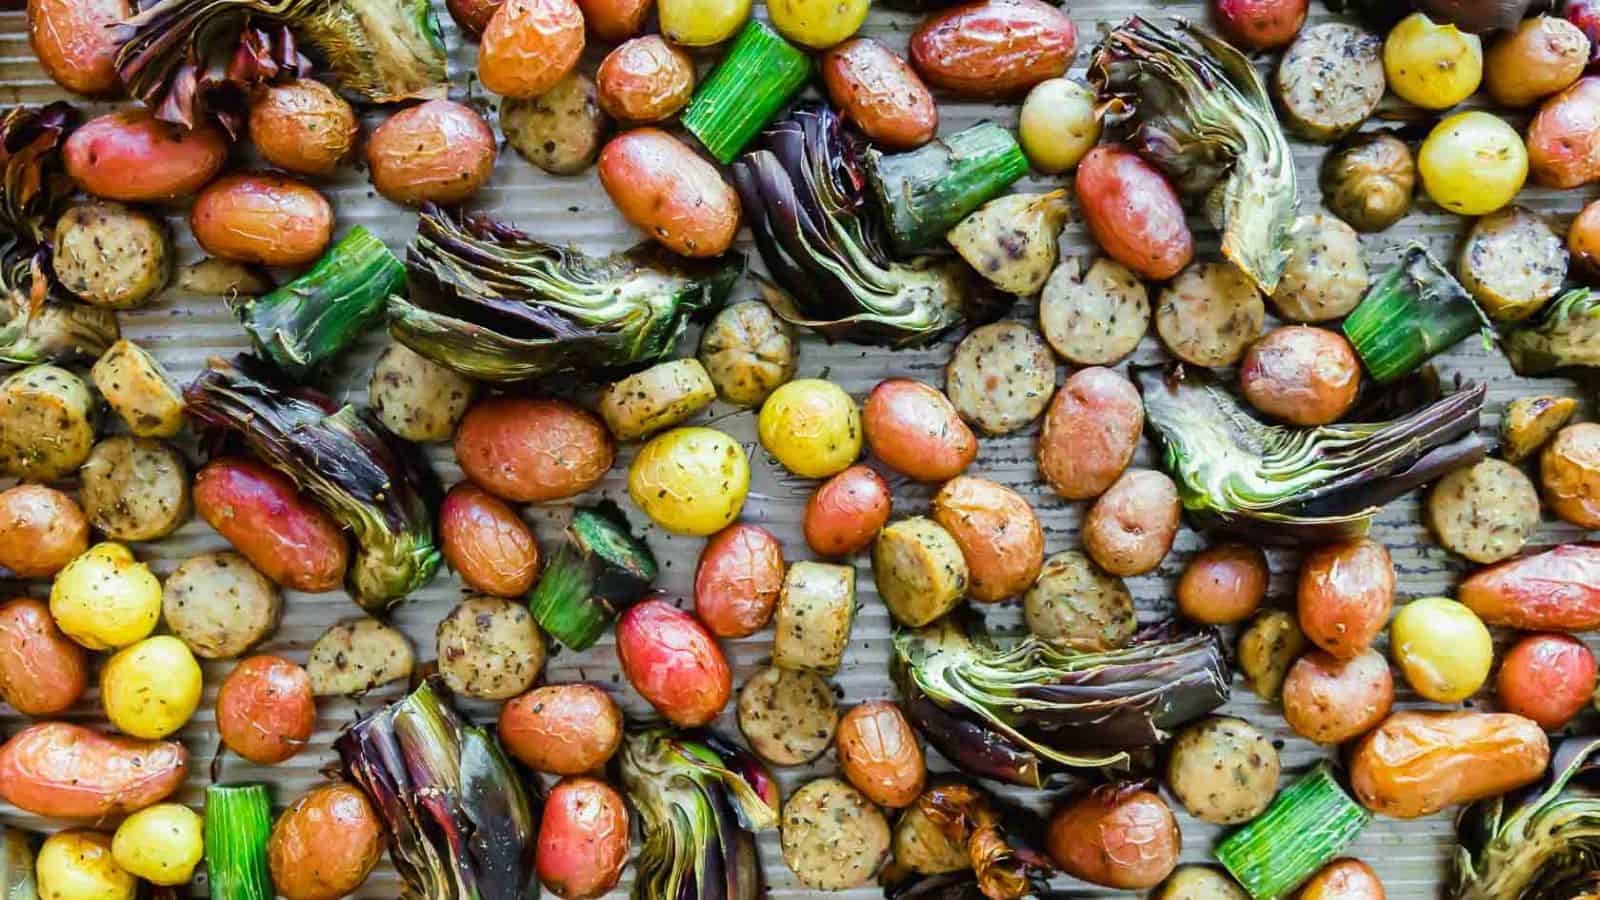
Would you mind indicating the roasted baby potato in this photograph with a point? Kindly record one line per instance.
(920, 570)
(219, 604)
(415, 397)
(846, 512)
(68, 771)
(879, 754)
(486, 542)
(303, 126)
(748, 352)
(1369, 181)
(139, 389)
(79, 865)
(1133, 212)
(669, 192)
(1343, 879)
(1331, 700)
(674, 663)
(875, 90)
(439, 151)
(1223, 770)
(1443, 648)
(1345, 594)
(1194, 882)
(1431, 64)
(291, 540)
(690, 480)
(358, 655)
(1260, 24)
(105, 598)
(224, 278)
(1130, 528)
(135, 489)
(161, 844)
(134, 157)
(41, 530)
(562, 729)
(583, 839)
(325, 844)
(1583, 240)
(812, 427)
(787, 717)
(108, 254)
(151, 688)
(644, 80)
(42, 672)
(1529, 422)
(1090, 432)
(530, 449)
(75, 43)
(617, 20)
(738, 580)
(1417, 763)
(1548, 678)
(1541, 56)
(997, 532)
(1059, 122)
(529, 46)
(954, 49)
(1564, 138)
(1301, 375)
(489, 648)
(1117, 835)
(262, 218)
(560, 130)
(1077, 604)
(916, 431)
(1223, 584)
(265, 711)
(659, 397)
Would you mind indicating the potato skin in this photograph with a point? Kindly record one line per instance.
(1548, 678)
(1130, 528)
(875, 90)
(645, 80)
(259, 512)
(1331, 700)
(561, 130)
(583, 839)
(1558, 589)
(1301, 375)
(262, 218)
(71, 772)
(1583, 240)
(1090, 432)
(1223, 584)
(998, 533)
(134, 157)
(1543, 55)
(1569, 474)
(615, 20)
(879, 754)
(472, 16)
(1564, 138)
(42, 671)
(738, 579)
(302, 126)
(265, 712)
(439, 150)
(1417, 763)
(1117, 835)
(533, 449)
(1133, 213)
(74, 44)
(1260, 24)
(529, 46)
(994, 48)
(915, 430)
(325, 844)
(1345, 594)
(1343, 879)
(846, 512)
(668, 191)
(41, 530)
(486, 542)
(562, 729)
(674, 663)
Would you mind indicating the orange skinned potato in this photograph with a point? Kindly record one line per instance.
(915, 430)
(1417, 763)
(325, 844)
(303, 126)
(41, 530)
(1133, 213)
(998, 533)
(134, 157)
(1090, 432)
(1564, 138)
(994, 48)
(846, 512)
(738, 579)
(880, 94)
(70, 772)
(262, 218)
(441, 151)
(562, 729)
(1345, 594)
(613, 21)
(42, 671)
(1118, 835)
(75, 44)
(644, 80)
(486, 542)
(674, 663)
(669, 192)
(291, 541)
(529, 46)
(265, 711)
(533, 449)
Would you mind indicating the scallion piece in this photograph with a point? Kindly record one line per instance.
(925, 192)
(238, 823)
(600, 570)
(1308, 824)
(1415, 311)
(742, 94)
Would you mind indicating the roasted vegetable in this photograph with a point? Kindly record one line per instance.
(925, 192)
(311, 319)
(701, 801)
(238, 823)
(1566, 334)
(804, 198)
(495, 304)
(373, 483)
(16, 865)
(1004, 846)
(1310, 822)
(1015, 713)
(741, 95)
(1413, 312)
(600, 570)
(187, 59)
(461, 825)
(1204, 118)
(1298, 486)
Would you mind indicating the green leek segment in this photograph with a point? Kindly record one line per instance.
(1416, 311)
(238, 822)
(598, 571)
(1311, 822)
(742, 94)
(926, 191)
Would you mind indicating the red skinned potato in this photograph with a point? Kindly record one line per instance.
(562, 729)
(674, 663)
(1554, 590)
(265, 711)
(615, 20)
(262, 218)
(70, 772)
(486, 542)
(1417, 763)
(915, 430)
(1548, 678)
(291, 540)
(41, 530)
(1117, 835)
(74, 43)
(533, 449)
(583, 839)
(1223, 584)
(1260, 24)
(1090, 432)
(994, 48)
(738, 580)
(1301, 375)
(134, 157)
(529, 46)
(1583, 240)
(325, 844)
(875, 90)
(1343, 879)
(1564, 138)
(440, 150)
(42, 671)
(644, 80)
(997, 532)
(1345, 595)
(302, 126)
(669, 192)
(1130, 528)
(1133, 213)
(472, 16)
(1331, 700)
(846, 512)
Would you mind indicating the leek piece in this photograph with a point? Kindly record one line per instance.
(238, 823)
(1308, 824)
(1414, 312)
(598, 571)
(925, 192)
(743, 93)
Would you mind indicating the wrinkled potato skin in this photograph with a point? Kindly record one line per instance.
(529, 46)
(847, 512)
(615, 20)
(668, 191)
(1548, 678)
(1369, 180)
(1223, 584)
(262, 218)
(472, 16)
(1543, 55)
(1583, 240)
(879, 754)
(1130, 528)
(1090, 432)
(42, 671)
(133, 157)
(530, 450)
(998, 533)
(876, 90)
(1117, 835)
(562, 729)
(1569, 474)
(645, 80)
(486, 542)
(583, 839)
(265, 712)
(1133, 213)
(674, 663)
(302, 126)
(994, 48)
(1345, 595)
(325, 844)
(1301, 375)
(439, 150)
(738, 580)
(1417, 763)
(71, 772)
(1331, 700)
(1564, 138)
(41, 530)
(291, 540)
(73, 44)
(915, 430)
(1343, 879)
